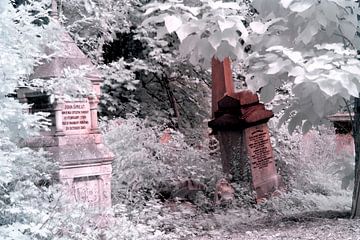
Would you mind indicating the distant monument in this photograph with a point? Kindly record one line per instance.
(240, 124)
(343, 129)
(74, 141)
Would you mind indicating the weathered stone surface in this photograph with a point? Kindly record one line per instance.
(233, 154)
(246, 97)
(256, 114)
(89, 184)
(69, 57)
(264, 175)
(226, 122)
(228, 103)
(47, 139)
(222, 82)
(345, 144)
(74, 140)
(224, 192)
(81, 154)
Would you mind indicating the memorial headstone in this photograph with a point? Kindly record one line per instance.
(74, 141)
(239, 123)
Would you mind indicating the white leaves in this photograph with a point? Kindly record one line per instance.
(219, 30)
(306, 126)
(156, 6)
(286, 3)
(225, 24)
(188, 44)
(172, 23)
(225, 50)
(311, 29)
(225, 5)
(215, 39)
(230, 36)
(348, 29)
(258, 27)
(89, 6)
(337, 48)
(296, 71)
(301, 5)
(294, 122)
(261, 28)
(186, 30)
(294, 56)
(309, 48)
(277, 66)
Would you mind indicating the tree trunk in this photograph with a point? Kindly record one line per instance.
(355, 210)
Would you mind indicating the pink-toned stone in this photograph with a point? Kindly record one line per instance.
(76, 117)
(74, 140)
(264, 176)
(88, 184)
(345, 144)
(228, 102)
(246, 97)
(224, 192)
(256, 113)
(222, 82)
(166, 136)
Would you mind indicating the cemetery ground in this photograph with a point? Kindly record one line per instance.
(315, 204)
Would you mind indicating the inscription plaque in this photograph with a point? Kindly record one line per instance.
(76, 117)
(263, 169)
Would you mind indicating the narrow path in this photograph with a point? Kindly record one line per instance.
(328, 225)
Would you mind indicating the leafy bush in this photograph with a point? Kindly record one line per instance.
(143, 163)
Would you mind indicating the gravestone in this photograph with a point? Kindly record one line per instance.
(343, 129)
(239, 123)
(74, 139)
(260, 153)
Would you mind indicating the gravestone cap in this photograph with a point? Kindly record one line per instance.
(226, 122)
(228, 102)
(256, 114)
(246, 97)
(233, 111)
(70, 56)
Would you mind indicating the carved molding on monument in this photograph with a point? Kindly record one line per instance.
(93, 113)
(106, 188)
(89, 184)
(59, 105)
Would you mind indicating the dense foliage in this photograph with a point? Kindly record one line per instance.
(310, 44)
(146, 51)
(25, 197)
(143, 74)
